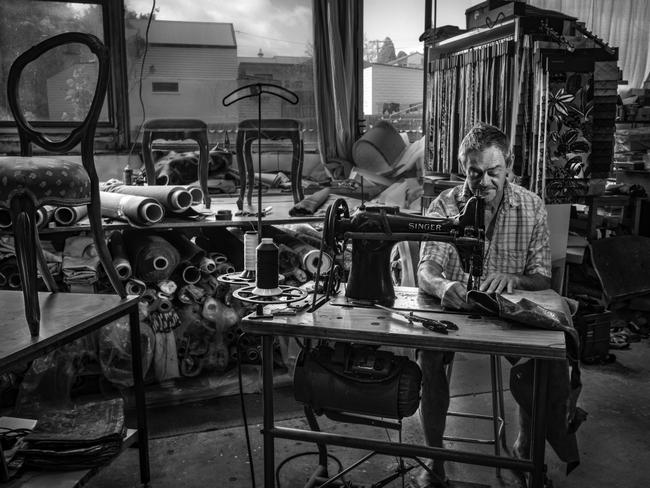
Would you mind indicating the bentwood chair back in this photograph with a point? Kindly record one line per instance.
(28, 182)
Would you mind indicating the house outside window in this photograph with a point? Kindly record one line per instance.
(211, 52)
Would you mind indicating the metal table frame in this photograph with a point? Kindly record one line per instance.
(66, 317)
(300, 326)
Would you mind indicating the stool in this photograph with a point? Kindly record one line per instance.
(177, 130)
(498, 411)
(30, 182)
(272, 129)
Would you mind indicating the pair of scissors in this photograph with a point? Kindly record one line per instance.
(439, 326)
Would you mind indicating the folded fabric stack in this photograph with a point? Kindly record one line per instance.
(82, 437)
(80, 261)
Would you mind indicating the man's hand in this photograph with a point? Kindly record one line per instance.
(498, 282)
(455, 296)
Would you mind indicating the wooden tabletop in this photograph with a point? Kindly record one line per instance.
(376, 326)
(64, 317)
(279, 214)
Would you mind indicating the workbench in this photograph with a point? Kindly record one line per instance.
(483, 335)
(66, 317)
(277, 215)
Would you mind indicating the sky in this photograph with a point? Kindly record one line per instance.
(283, 27)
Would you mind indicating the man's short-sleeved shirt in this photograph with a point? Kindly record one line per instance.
(519, 243)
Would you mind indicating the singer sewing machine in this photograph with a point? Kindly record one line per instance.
(375, 230)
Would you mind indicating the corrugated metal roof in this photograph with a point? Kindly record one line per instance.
(180, 33)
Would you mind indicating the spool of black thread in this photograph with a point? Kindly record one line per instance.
(268, 268)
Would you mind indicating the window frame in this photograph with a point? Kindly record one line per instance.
(111, 135)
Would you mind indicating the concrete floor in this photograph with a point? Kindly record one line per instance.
(614, 442)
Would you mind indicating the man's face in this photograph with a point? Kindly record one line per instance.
(486, 172)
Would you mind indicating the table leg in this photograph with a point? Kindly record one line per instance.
(538, 444)
(267, 388)
(140, 405)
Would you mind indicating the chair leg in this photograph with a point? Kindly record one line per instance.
(250, 168)
(296, 168)
(94, 216)
(204, 166)
(23, 216)
(43, 268)
(241, 168)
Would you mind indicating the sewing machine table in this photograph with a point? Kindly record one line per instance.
(379, 327)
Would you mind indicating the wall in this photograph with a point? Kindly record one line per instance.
(391, 84)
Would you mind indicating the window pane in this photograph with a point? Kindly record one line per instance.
(58, 86)
(198, 54)
(393, 64)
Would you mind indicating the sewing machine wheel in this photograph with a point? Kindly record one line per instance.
(289, 294)
(335, 212)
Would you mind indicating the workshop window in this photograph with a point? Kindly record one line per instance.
(212, 51)
(56, 89)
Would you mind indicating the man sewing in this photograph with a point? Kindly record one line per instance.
(517, 256)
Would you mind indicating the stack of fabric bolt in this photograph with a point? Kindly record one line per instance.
(182, 302)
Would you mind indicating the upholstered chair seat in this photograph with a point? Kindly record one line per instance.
(47, 181)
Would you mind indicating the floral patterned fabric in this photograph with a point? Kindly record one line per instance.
(46, 180)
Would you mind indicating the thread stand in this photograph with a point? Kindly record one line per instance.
(288, 294)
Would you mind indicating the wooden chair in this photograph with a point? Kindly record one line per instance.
(177, 129)
(27, 182)
(273, 129)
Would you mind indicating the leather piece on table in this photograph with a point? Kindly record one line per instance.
(621, 264)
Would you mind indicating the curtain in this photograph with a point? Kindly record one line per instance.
(621, 23)
(337, 28)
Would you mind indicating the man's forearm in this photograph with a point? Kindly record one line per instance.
(534, 282)
(430, 279)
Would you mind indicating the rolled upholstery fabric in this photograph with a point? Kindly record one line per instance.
(152, 257)
(189, 252)
(135, 210)
(173, 198)
(310, 204)
(70, 215)
(120, 258)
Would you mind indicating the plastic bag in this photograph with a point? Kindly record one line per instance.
(49, 379)
(115, 351)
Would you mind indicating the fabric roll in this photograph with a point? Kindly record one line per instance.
(44, 215)
(189, 273)
(189, 252)
(310, 204)
(197, 194)
(5, 218)
(224, 268)
(135, 287)
(120, 258)
(207, 265)
(136, 210)
(173, 198)
(70, 215)
(9, 269)
(153, 258)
